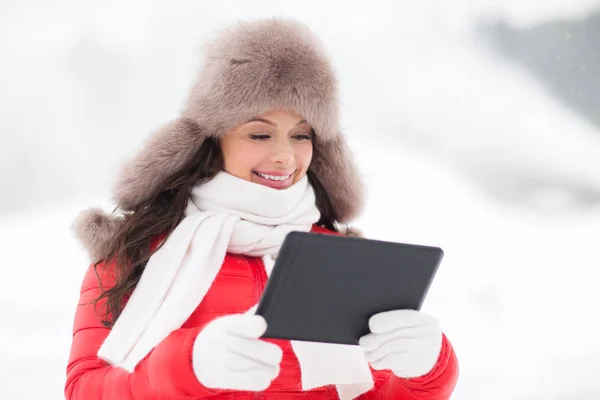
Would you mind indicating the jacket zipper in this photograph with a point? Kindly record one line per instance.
(259, 271)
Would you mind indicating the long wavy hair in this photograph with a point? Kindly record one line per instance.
(133, 244)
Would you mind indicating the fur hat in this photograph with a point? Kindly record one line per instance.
(248, 69)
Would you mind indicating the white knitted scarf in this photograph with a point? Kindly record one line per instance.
(226, 214)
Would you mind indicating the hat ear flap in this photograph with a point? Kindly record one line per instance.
(334, 167)
(95, 229)
(164, 154)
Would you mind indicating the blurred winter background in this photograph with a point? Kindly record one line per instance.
(476, 124)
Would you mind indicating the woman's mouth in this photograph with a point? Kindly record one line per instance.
(274, 180)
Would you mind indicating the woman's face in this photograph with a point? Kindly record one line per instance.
(273, 149)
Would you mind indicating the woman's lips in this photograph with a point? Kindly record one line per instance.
(273, 179)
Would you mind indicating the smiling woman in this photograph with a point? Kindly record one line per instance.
(256, 154)
(274, 149)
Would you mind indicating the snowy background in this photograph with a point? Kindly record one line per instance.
(462, 144)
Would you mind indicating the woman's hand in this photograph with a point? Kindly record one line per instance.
(405, 341)
(228, 354)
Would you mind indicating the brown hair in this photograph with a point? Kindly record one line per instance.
(131, 247)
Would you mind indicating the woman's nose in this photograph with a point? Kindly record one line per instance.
(283, 158)
(283, 154)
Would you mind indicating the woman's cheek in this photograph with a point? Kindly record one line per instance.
(305, 155)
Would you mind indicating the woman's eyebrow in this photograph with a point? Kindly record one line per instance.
(266, 121)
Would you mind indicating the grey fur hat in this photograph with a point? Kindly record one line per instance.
(248, 68)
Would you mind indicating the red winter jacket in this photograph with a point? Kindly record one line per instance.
(166, 372)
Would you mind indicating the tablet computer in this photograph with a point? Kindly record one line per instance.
(324, 288)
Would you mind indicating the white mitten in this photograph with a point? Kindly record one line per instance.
(407, 342)
(228, 354)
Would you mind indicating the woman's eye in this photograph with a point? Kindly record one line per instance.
(259, 136)
(302, 137)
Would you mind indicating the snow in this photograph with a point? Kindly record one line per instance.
(515, 293)
(432, 116)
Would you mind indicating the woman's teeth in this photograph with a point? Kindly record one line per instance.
(273, 177)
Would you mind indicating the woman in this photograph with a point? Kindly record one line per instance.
(165, 309)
